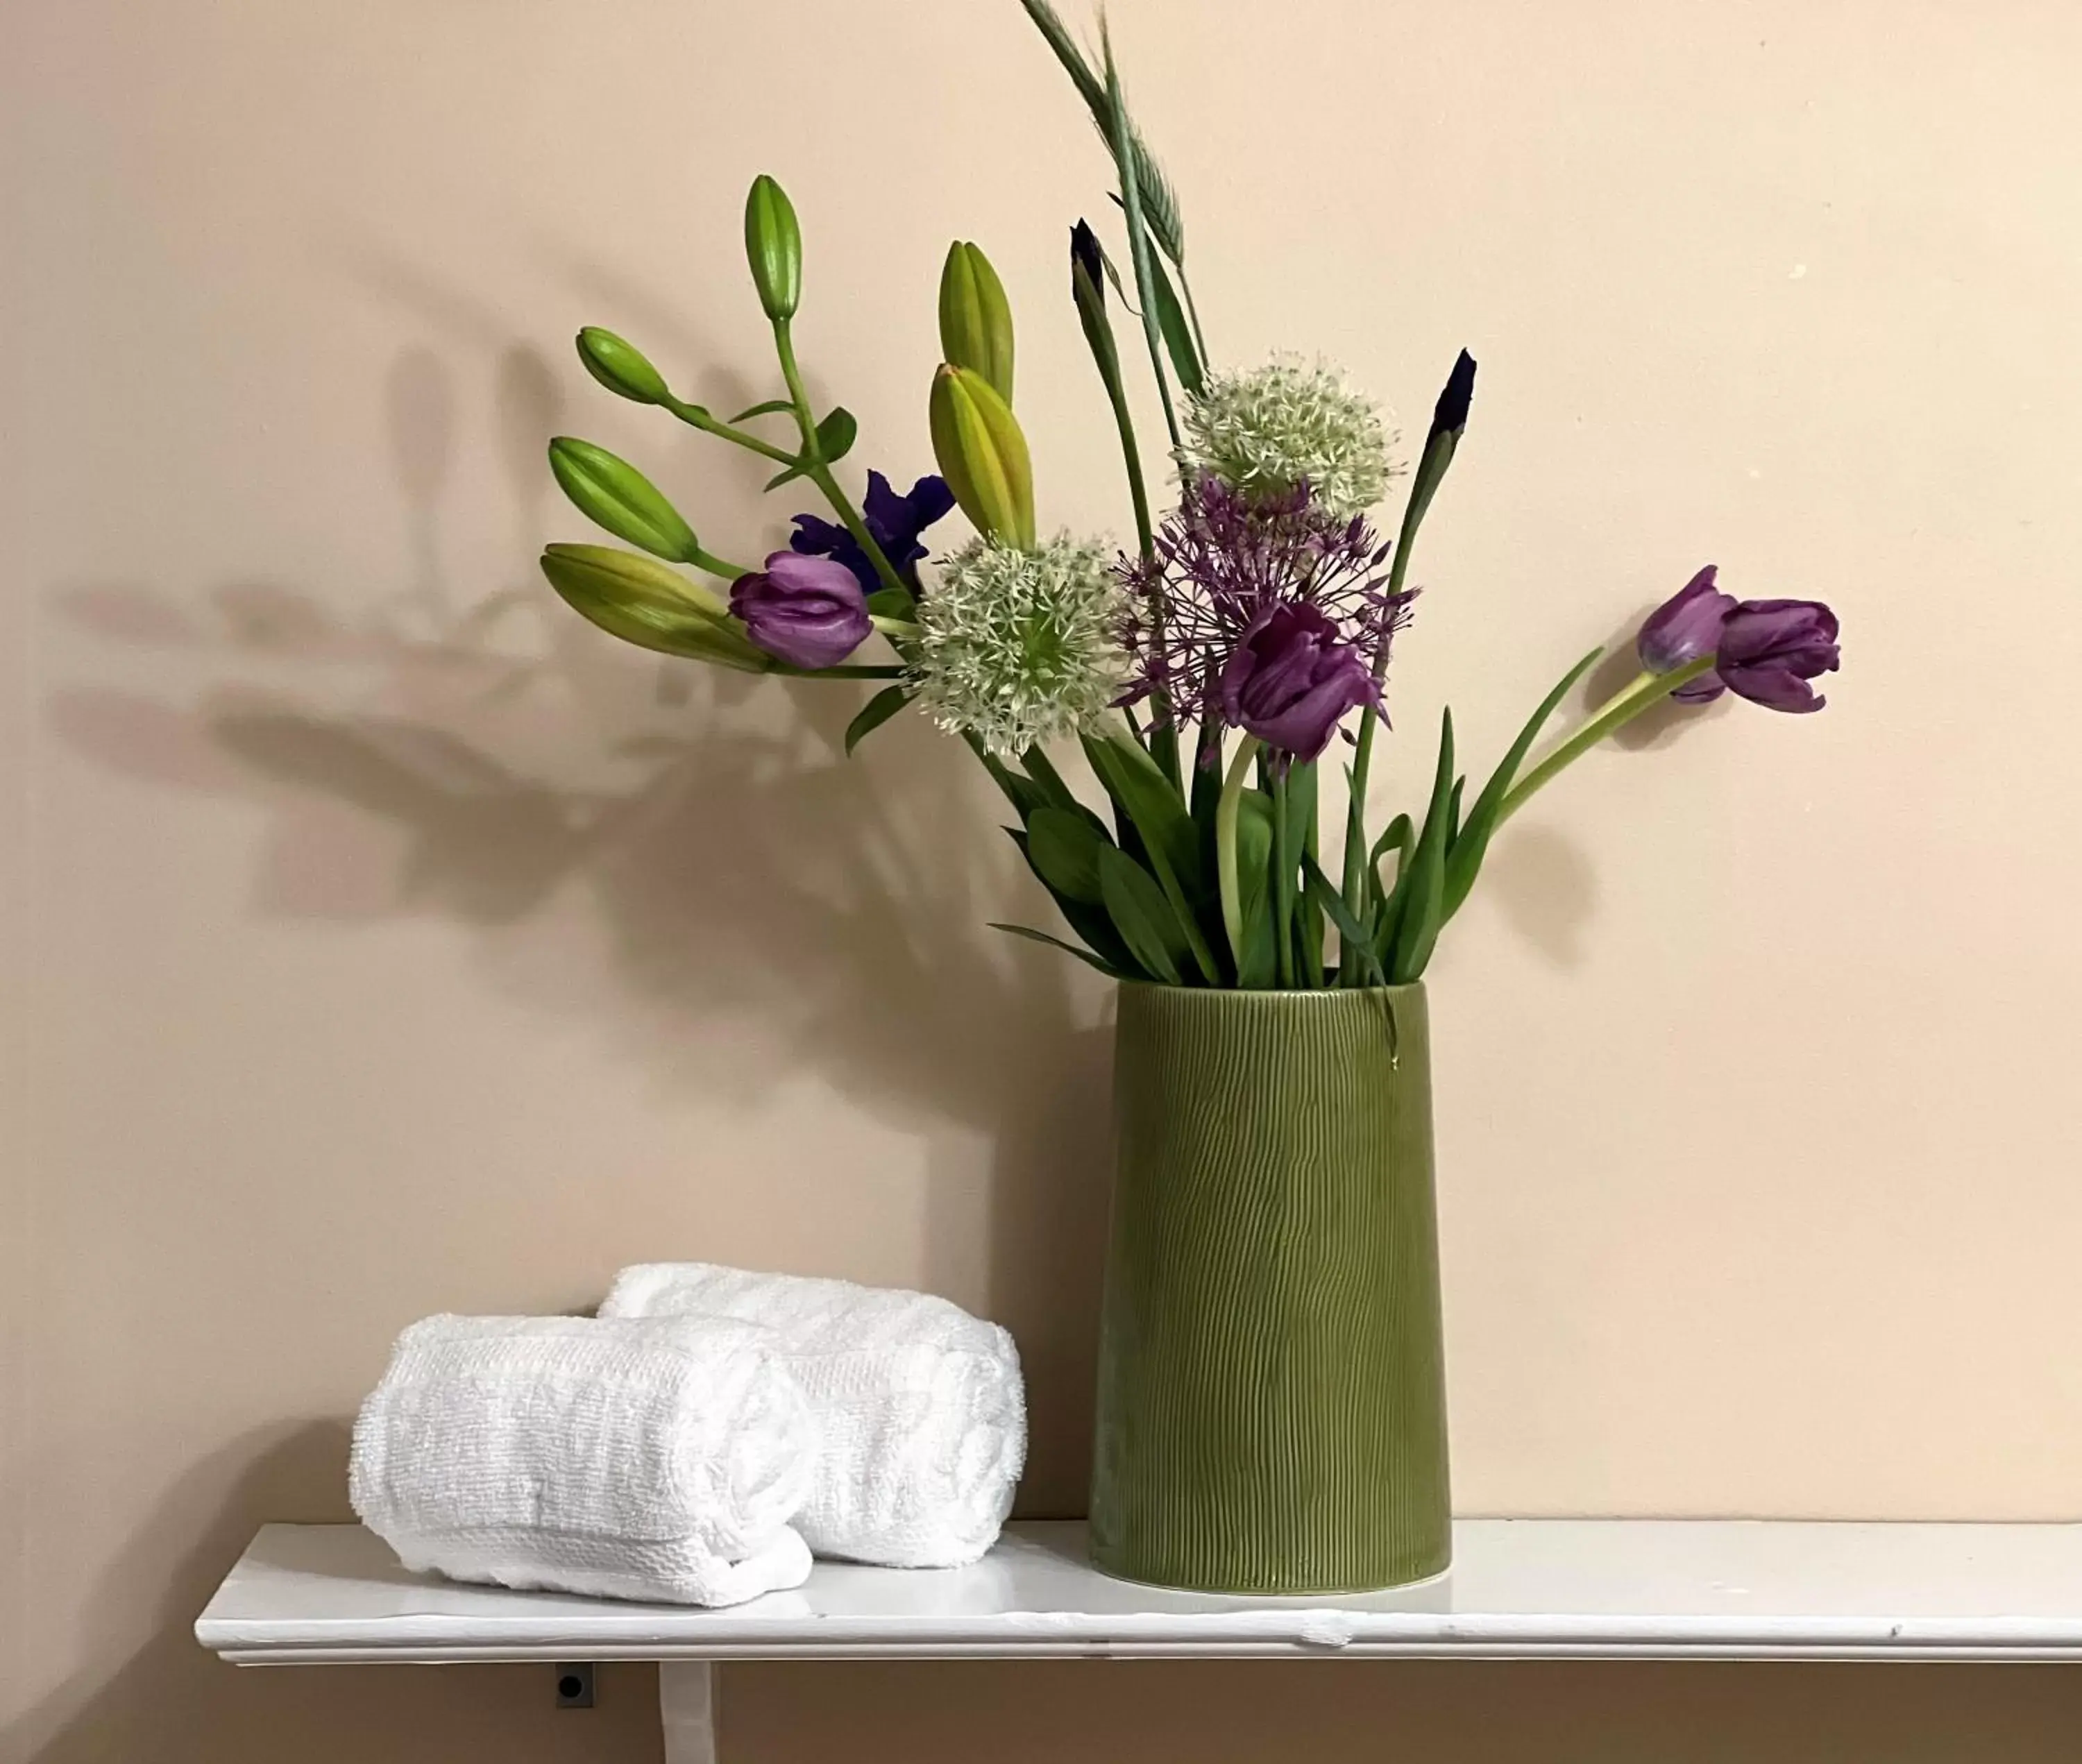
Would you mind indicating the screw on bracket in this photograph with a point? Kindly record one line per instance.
(575, 1686)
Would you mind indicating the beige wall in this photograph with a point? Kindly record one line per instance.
(381, 941)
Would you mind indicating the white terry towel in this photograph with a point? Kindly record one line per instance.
(659, 1461)
(920, 1408)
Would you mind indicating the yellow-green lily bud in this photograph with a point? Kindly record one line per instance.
(983, 455)
(773, 246)
(612, 493)
(621, 366)
(976, 319)
(643, 602)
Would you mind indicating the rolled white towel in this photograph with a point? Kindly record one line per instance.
(921, 1413)
(659, 1461)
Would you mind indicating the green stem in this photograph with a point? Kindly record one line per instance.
(694, 416)
(718, 566)
(819, 472)
(1138, 238)
(1640, 694)
(896, 630)
(1413, 516)
(1192, 312)
(1225, 847)
(1131, 456)
(1283, 881)
(1309, 958)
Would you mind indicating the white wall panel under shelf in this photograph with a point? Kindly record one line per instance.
(1520, 1589)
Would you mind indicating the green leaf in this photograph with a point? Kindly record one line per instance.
(1417, 932)
(1136, 783)
(1142, 916)
(1089, 922)
(876, 712)
(1465, 862)
(891, 604)
(1177, 335)
(1042, 769)
(1155, 810)
(1022, 792)
(1093, 924)
(1333, 903)
(1085, 956)
(836, 436)
(771, 407)
(1260, 964)
(1063, 848)
(1401, 833)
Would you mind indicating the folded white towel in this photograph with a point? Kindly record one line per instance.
(921, 1413)
(659, 1461)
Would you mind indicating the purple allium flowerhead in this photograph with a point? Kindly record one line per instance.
(808, 612)
(892, 521)
(1223, 563)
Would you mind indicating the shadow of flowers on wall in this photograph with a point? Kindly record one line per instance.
(686, 862)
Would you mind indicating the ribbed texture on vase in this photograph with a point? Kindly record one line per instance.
(1272, 1405)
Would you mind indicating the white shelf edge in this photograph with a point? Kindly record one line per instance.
(1523, 1589)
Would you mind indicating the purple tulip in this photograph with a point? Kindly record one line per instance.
(892, 521)
(1685, 627)
(1291, 678)
(1771, 648)
(809, 612)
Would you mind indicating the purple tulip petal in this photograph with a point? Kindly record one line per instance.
(1775, 689)
(1686, 626)
(1702, 691)
(1770, 649)
(1292, 679)
(809, 612)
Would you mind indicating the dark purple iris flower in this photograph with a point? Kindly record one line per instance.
(808, 612)
(1764, 650)
(1292, 679)
(894, 522)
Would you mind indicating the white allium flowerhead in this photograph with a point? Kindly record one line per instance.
(1020, 647)
(1268, 428)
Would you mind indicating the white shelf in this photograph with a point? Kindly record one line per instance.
(1520, 1589)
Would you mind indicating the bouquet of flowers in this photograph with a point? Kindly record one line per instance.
(1205, 675)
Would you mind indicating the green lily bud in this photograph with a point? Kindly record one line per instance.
(773, 246)
(983, 455)
(645, 603)
(976, 319)
(621, 367)
(612, 493)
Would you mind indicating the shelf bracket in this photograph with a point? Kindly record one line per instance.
(686, 1707)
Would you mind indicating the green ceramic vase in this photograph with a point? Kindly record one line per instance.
(1271, 1397)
